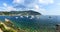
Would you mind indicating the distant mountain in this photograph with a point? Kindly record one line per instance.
(29, 12)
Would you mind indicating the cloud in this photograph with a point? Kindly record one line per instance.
(46, 1)
(4, 4)
(26, 4)
(18, 1)
(33, 1)
(6, 7)
(37, 7)
(30, 4)
(10, 8)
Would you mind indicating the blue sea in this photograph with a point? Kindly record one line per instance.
(34, 21)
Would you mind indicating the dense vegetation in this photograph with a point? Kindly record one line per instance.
(30, 12)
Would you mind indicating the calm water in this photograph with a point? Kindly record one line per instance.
(36, 22)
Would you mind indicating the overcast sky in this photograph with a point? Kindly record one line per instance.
(45, 7)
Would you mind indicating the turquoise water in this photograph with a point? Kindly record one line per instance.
(35, 22)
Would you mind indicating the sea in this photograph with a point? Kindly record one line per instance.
(48, 22)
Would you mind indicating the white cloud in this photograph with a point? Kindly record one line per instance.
(33, 5)
(6, 7)
(36, 7)
(5, 4)
(18, 1)
(10, 8)
(42, 11)
(46, 1)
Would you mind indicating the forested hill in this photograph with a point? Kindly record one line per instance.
(29, 12)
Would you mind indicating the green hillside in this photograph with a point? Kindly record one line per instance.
(13, 13)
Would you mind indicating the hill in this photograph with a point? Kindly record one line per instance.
(13, 13)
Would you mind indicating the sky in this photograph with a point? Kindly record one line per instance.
(45, 7)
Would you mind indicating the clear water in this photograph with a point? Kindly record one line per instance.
(43, 22)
